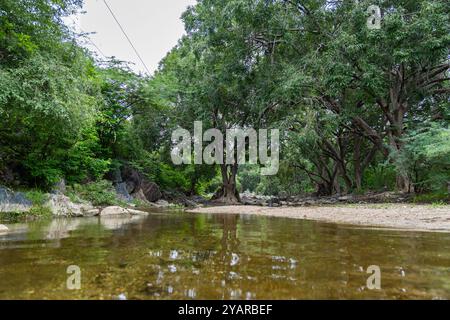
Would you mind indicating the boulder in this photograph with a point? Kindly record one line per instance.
(132, 178)
(199, 199)
(345, 198)
(59, 187)
(115, 176)
(11, 201)
(139, 195)
(137, 184)
(3, 228)
(92, 213)
(119, 211)
(162, 204)
(122, 192)
(190, 204)
(151, 191)
(283, 196)
(62, 206)
(114, 211)
(134, 212)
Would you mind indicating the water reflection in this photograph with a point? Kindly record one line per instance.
(182, 256)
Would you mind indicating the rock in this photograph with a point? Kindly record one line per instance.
(199, 199)
(11, 201)
(161, 204)
(132, 178)
(92, 213)
(181, 199)
(59, 187)
(131, 187)
(138, 184)
(139, 195)
(114, 211)
(122, 192)
(3, 228)
(283, 196)
(62, 206)
(118, 211)
(190, 204)
(115, 176)
(151, 191)
(137, 212)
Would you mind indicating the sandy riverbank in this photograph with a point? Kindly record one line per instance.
(398, 216)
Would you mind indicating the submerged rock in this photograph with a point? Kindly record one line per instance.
(11, 201)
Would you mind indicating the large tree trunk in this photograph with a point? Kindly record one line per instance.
(403, 183)
(228, 193)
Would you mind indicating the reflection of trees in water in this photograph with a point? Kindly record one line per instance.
(228, 253)
(229, 241)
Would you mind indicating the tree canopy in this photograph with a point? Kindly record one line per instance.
(359, 108)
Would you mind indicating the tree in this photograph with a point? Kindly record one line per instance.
(375, 82)
(220, 74)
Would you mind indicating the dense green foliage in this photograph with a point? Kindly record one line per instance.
(360, 109)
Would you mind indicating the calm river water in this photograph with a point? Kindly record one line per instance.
(185, 256)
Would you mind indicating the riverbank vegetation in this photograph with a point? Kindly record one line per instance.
(359, 109)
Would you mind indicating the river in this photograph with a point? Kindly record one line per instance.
(169, 255)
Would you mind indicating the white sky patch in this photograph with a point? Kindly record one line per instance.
(154, 27)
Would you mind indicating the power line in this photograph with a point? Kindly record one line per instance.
(93, 43)
(126, 36)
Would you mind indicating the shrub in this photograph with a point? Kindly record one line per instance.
(100, 193)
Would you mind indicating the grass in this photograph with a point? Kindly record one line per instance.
(437, 198)
(37, 211)
(37, 197)
(439, 204)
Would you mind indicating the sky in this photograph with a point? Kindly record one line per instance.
(154, 27)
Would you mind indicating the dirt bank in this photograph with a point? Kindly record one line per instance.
(398, 216)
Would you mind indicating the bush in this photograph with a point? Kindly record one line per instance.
(380, 177)
(100, 193)
(37, 197)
